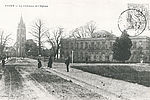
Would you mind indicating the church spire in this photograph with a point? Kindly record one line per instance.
(21, 38)
(21, 23)
(21, 20)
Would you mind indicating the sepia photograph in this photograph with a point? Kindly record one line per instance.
(75, 50)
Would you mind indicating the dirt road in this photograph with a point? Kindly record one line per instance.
(22, 80)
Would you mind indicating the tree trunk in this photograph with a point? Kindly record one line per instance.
(57, 54)
(39, 41)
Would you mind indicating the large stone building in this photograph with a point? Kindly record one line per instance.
(21, 39)
(99, 48)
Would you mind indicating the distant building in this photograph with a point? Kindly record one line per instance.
(21, 39)
(10, 51)
(140, 49)
(99, 48)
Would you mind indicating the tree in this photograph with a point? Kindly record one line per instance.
(84, 31)
(54, 40)
(38, 30)
(31, 48)
(4, 39)
(121, 47)
(51, 41)
(79, 33)
(90, 28)
(45, 52)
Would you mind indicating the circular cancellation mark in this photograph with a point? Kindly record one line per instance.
(132, 21)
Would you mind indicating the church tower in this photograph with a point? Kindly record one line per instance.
(21, 39)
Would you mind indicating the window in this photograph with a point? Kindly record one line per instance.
(104, 35)
(134, 45)
(92, 45)
(71, 45)
(99, 36)
(94, 56)
(103, 45)
(86, 45)
(81, 55)
(77, 45)
(81, 45)
(98, 45)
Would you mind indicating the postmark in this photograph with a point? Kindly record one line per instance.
(133, 21)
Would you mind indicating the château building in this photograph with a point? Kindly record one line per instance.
(21, 39)
(99, 48)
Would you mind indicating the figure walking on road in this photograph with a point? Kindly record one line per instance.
(39, 63)
(67, 62)
(3, 63)
(50, 62)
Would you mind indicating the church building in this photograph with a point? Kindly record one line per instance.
(21, 39)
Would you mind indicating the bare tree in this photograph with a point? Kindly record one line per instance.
(84, 31)
(38, 30)
(79, 33)
(90, 28)
(54, 40)
(51, 41)
(4, 39)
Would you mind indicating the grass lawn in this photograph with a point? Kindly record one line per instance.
(126, 73)
(63, 88)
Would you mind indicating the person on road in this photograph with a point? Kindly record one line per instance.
(67, 62)
(3, 62)
(86, 59)
(50, 61)
(39, 63)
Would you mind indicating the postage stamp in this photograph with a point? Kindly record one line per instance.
(133, 21)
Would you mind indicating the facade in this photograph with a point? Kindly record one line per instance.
(21, 39)
(99, 48)
(140, 49)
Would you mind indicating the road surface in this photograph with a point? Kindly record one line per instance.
(22, 80)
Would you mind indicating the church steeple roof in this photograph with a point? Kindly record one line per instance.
(21, 19)
(21, 23)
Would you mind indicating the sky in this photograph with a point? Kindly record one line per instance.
(68, 14)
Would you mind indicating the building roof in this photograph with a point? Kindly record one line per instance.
(21, 23)
(103, 34)
(21, 19)
(140, 37)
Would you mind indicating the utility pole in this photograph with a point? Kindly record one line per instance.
(72, 56)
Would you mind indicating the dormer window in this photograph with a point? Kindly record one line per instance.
(104, 35)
